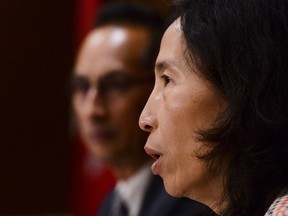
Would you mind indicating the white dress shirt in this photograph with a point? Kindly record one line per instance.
(132, 190)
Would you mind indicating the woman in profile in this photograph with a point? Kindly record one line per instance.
(218, 113)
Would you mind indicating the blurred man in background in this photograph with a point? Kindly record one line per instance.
(112, 80)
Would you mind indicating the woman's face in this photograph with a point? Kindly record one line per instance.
(181, 104)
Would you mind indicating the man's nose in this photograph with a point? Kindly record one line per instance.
(95, 103)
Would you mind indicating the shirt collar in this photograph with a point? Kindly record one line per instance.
(133, 189)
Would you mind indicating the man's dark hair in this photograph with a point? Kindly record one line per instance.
(138, 15)
(241, 47)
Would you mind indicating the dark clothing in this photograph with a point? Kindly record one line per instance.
(158, 203)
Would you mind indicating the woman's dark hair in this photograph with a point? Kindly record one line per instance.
(241, 47)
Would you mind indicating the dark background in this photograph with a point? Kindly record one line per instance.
(36, 38)
(37, 50)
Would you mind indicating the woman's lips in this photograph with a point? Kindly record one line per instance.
(156, 164)
(158, 158)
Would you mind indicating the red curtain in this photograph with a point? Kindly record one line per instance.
(91, 179)
(85, 12)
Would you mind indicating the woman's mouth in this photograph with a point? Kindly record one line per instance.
(157, 156)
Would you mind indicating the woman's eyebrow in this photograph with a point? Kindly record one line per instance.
(162, 65)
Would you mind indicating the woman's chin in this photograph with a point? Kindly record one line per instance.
(172, 190)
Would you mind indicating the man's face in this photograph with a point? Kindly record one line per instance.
(110, 89)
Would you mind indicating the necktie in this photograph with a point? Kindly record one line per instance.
(118, 207)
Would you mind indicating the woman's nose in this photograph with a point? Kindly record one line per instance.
(147, 120)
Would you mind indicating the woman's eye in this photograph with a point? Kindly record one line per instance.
(166, 79)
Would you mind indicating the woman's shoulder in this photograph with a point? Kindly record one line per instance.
(280, 206)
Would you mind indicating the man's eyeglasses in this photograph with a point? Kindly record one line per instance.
(110, 85)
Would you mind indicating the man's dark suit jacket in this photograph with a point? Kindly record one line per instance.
(158, 203)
